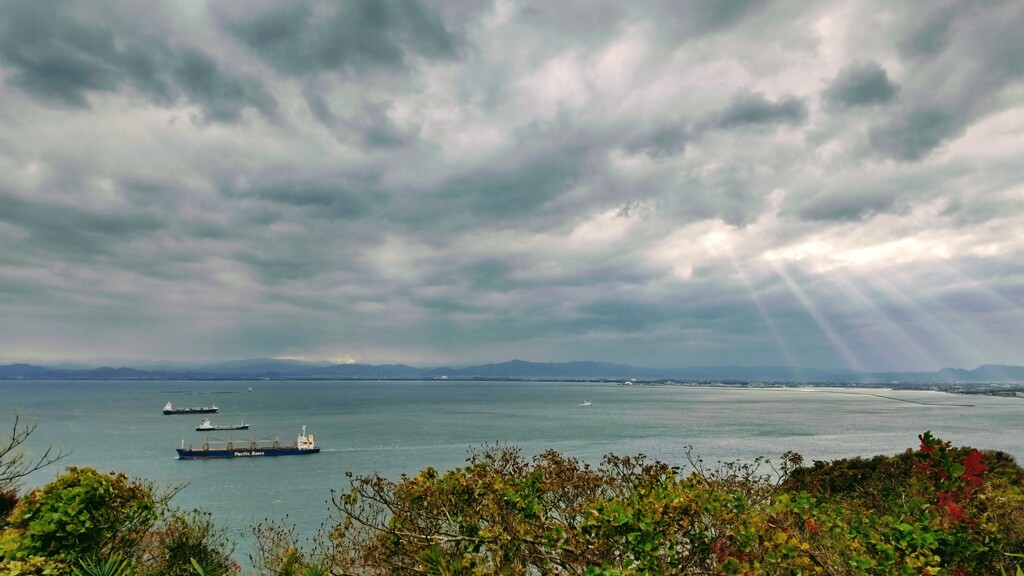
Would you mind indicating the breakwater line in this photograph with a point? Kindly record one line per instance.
(883, 396)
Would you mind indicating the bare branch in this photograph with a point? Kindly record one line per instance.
(13, 465)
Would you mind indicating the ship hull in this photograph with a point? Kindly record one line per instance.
(189, 454)
(190, 411)
(218, 428)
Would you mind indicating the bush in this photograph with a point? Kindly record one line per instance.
(8, 500)
(181, 538)
(84, 519)
(82, 515)
(934, 510)
(34, 566)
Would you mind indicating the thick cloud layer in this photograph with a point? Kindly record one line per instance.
(61, 56)
(834, 184)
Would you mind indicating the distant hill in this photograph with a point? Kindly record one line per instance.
(368, 371)
(260, 365)
(998, 373)
(520, 369)
(12, 371)
(269, 368)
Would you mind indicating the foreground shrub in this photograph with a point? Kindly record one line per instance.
(8, 500)
(936, 510)
(112, 566)
(171, 547)
(82, 515)
(86, 522)
(15, 466)
(34, 566)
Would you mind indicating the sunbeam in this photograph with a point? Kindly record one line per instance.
(823, 324)
(930, 314)
(896, 332)
(763, 311)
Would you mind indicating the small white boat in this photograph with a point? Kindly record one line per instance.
(586, 403)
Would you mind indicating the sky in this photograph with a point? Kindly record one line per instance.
(663, 183)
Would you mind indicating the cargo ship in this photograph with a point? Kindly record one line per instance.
(206, 426)
(169, 409)
(251, 449)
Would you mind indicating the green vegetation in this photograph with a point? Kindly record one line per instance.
(115, 565)
(86, 523)
(934, 510)
(14, 466)
(90, 523)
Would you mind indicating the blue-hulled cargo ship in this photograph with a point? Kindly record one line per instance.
(251, 449)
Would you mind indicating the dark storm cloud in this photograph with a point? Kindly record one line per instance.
(577, 23)
(312, 37)
(623, 316)
(322, 198)
(491, 274)
(460, 181)
(594, 22)
(370, 126)
(64, 229)
(508, 192)
(931, 33)
(516, 184)
(62, 59)
(852, 203)
(913, 133)
(961, 57)
(59, 59)
(695, 17)
(376, 130)
(859, 195)
(705, 304)
(285, 263)
(753, 109)
(662, 142)
(860, 84)
(221, 96)
(319, 107)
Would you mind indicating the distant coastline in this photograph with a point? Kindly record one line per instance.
(1000, 380)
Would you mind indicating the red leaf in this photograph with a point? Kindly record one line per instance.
(951, 510)
(973, 468)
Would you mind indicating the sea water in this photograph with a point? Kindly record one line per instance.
(394, 428)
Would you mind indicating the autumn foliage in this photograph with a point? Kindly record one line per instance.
(933, 510)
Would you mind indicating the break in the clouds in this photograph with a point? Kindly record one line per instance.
(834, 184)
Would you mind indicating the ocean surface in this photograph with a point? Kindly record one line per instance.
(395, 428)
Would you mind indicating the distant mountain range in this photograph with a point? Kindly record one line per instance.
(273, 369)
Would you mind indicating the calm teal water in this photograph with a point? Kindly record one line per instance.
(402, 427)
